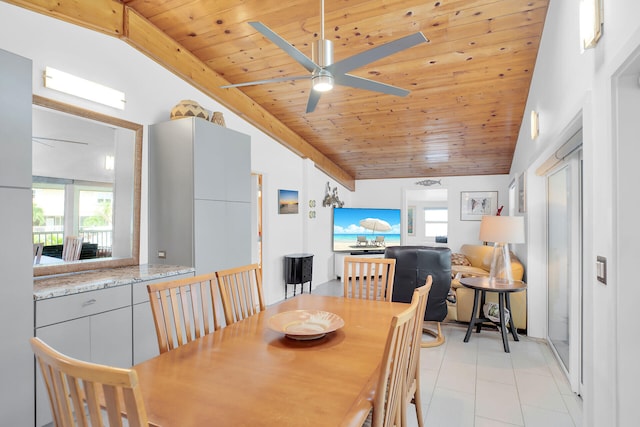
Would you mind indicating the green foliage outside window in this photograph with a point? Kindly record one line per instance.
(38, 215)
(101, 217)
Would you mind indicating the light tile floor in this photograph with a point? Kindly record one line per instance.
(477, 384)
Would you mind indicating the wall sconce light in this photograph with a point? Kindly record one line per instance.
(590, 23)
(535, 124)
(109, 162)
(76, 86)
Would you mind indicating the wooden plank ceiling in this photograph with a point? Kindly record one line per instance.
(469, 83)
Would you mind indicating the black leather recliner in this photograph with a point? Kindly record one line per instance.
(413, 265)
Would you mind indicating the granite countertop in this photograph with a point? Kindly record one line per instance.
(74, 283)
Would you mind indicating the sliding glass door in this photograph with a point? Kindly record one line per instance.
(564, 264)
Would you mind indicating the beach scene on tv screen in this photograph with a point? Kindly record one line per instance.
(365, 229)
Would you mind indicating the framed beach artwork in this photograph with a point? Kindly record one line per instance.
(475, 204)
(287, 202)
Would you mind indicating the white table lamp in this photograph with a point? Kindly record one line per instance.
(501, 230)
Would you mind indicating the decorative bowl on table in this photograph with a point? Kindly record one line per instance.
(305, 324)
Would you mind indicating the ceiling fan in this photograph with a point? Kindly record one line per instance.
(325, 73)
(45, 141)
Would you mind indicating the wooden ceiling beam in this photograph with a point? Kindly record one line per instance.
(105, 16)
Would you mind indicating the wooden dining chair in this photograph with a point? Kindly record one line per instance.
(241, 292)
(183, 309)
(71, 248)
(390, 390)
(412, 393)
(369, 278)
(37, 252)
(88, 394)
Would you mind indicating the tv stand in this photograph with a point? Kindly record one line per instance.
(367, 252)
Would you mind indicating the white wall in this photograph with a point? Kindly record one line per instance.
(627, 152)
(571, 87)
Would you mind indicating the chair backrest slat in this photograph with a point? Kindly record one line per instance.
(421, 295)
(72, 248)
(412, 380)
(87, 394)
(241, 292)
(389, 396)
(369, 278)
(183, 309)
(37, 252)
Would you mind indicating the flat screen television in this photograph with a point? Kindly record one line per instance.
(365, 230)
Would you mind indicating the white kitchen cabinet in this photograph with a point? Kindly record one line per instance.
(16, 252)
(199, 195)
(112, 337)
(15, 120)
(144, 333)
(111, 326)
(95, 326)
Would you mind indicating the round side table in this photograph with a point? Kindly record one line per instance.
(482, 285)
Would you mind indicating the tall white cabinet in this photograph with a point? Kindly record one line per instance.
(199, 195)
(16, 252)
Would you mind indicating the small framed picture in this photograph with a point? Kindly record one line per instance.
(411, 217)
(287, 202)
(475, 204)
(522, 193)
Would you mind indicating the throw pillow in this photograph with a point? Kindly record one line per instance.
(460, 259)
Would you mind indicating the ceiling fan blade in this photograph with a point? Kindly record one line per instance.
(362, 83)
(300, 57)
(371, 55)
(68, 141)
(261, 82)
(43, 143)
(314, 97)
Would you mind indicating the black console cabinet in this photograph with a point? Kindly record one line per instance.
(298, 269)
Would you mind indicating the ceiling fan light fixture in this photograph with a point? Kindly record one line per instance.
(325, 73)
(323, 82)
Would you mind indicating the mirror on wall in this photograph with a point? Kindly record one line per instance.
(86, 170)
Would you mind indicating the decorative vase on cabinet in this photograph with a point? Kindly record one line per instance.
(199, 195)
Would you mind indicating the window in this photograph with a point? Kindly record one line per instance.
(435, 224)
(48, 214)
(96, 218)
(64, 208)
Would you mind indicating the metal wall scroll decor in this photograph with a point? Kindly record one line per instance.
(331, 197)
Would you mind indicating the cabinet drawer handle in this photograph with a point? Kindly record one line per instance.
(88, 303)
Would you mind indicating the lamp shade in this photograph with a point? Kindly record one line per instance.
(502, 229)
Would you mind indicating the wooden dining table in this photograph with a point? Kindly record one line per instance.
(246, 374)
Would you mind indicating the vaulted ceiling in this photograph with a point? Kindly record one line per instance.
(468, 84)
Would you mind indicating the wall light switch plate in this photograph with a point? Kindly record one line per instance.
(601, 269)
